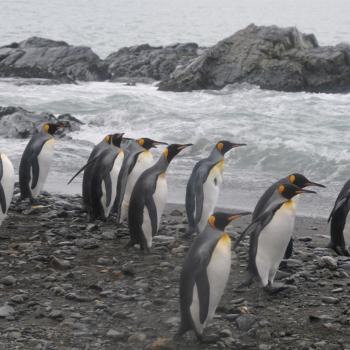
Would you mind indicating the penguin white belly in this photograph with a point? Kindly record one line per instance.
(147, 227)
(218, 271)
(211, 190)
(346, 232)
(273, 241)
(7, 182)
(160, 196)
(114, 173)
(44, 160)
(144, 161)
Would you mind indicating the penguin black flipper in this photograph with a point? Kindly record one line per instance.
(343, 196)
(2, 193)
(108, 185)
(35, 172)
(152, 212)
(190, 206)
(199, 194)
(263, 201)
(83, 168)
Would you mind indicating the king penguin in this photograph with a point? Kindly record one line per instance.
(148, 199)
(270, 234)
(203, 187)
(340, 222)
(7, 182)
(137, 159)
(36, 160)
(205, 274)
(104, 172)
(109, 141)
(264, 202)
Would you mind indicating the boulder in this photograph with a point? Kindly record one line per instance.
(145, 61)
(273, 58)
(48, 59)
(16, 122)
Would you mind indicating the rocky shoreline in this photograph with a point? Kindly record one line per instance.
(274, 58)
(69, 284)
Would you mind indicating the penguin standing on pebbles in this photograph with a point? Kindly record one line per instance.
(36, 160)
(205, 274)
(340, 222)
(267, 198)
(270, 234)
(203, 187)
(137, 159)
(109, 141)
(148, 199)
(7, 182)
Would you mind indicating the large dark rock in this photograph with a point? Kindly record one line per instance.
(49, 59)
(270, 57)
(16, 122)
(145, 61)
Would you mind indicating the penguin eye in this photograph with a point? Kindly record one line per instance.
(141, 142)
(220, 146)
(292, 179)
(281, 188)
(211, 220)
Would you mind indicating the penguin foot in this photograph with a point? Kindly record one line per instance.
(275, 288)
(341, 250)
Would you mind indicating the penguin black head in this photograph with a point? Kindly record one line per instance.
(51, 128)
(224, 146)
(172, 150)
(220, 220)
(114, 139)
(301, 181)
(288, 191)
(149, 143)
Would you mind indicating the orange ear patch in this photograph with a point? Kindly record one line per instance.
(166, 152)
(108, 138)
(292, 179)
(220, 146)
(281, 188)
(211, 220)
(141, 142)
(46, 127)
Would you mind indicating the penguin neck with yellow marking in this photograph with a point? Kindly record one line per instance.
(289, 205)
(225, 238)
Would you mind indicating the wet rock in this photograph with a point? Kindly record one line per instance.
(87, 243)
(116, 335)
(56, 315)
(145, 61)
(44, 58)
(78, 297)
(330, 300)
(282, 59)
(60, 264)
(16, 122)
(19, 298)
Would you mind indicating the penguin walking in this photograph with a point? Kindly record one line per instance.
(340, 222)
(109, 141)
(205, 274)
(148, 199)
(36, 160)
(7, 182)
(270, 234)
(137, 159)
(265, 200)
(102, 182)
(203, 187)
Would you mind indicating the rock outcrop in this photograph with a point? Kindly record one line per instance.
(49, 59)
(145, 61)
(271, 57)
(16, 122)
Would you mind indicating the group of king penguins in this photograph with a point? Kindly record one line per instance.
(121, 177)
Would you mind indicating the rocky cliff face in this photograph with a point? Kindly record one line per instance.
(270, 57)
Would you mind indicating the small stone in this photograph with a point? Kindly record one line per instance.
(176, 212)
(245, 322)
(87, 243)
(137, 337)
(56, 314)
(108, 235)
(60, 264)
(115, 334)
(6, 310)
(19, 298)
(327, 261)
(226, 333)
(128, 269)
(8, 280)
(330, 300)
(337, 290)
